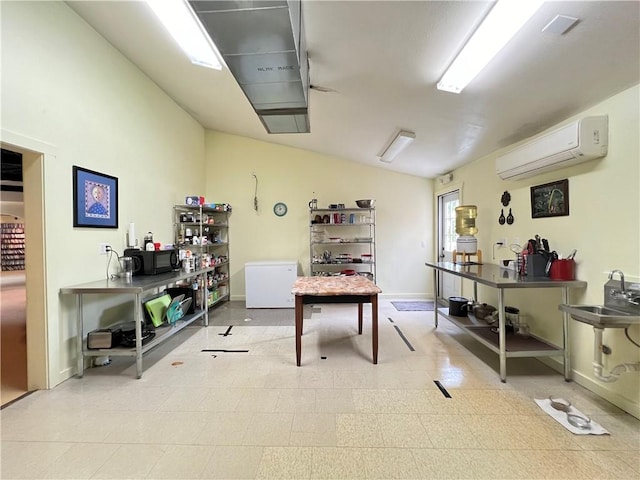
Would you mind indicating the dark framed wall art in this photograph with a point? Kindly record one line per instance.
(95, 199)
(550, 199)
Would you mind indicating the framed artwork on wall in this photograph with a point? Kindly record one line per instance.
(95, 199)
(550, 199)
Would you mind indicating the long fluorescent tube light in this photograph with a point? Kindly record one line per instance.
(504, 20)
(185, 28)
(402, 141)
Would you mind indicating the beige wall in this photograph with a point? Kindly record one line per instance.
(64, 86)
(603, 226)
(404, 229)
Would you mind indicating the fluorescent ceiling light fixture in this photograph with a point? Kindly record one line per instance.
(402, 141)
(185, 28)
(499, 26)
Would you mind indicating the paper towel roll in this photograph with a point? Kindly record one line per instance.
(132, 235)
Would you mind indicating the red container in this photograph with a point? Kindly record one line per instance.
(563, 270)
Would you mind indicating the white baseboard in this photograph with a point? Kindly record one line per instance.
(406, 296)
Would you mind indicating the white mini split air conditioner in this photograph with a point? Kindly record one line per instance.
(577, 142)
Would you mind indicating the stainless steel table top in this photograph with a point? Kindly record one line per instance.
(138, 284)
(494, 276)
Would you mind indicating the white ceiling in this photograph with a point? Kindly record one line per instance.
(384, 58)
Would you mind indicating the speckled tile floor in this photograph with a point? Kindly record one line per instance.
(255, 415)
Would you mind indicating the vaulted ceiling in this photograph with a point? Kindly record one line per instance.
(381, 60)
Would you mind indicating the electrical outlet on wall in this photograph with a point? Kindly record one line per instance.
(103, 248)
(501, 242)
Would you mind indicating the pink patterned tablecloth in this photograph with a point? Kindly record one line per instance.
(325, 286)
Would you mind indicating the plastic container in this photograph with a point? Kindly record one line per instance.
(466, 220)
(127, 267)
(563, 270)
(467, 244)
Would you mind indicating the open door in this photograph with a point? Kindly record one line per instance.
(448, 285)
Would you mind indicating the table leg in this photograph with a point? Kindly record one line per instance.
(204, 293)
(565, 337)
(502, 336)
(436, 287)
(138, 317)
(299, 307)
(359, 318)
(374, 321)
(80, 335)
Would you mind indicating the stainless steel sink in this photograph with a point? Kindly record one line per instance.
(600, 315)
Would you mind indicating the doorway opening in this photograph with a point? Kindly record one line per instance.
(13, 314)
(34, 155)
(447, 285)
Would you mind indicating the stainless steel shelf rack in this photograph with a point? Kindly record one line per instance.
(205, 232)
(342, 239)
(136, 287)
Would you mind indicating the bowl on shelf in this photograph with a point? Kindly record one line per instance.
(365, 203)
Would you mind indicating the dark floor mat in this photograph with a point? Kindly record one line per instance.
(413, 306)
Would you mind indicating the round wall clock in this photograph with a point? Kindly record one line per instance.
(280, 209)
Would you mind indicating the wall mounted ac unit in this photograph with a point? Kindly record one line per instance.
(577, 142)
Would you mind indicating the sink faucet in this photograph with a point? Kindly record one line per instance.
(616, 293)
(630, 296)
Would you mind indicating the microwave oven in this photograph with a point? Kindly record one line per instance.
(152, 262)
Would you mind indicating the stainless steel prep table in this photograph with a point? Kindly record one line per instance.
(136, 287)
(507, 345)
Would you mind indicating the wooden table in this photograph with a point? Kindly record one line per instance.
(351, 289)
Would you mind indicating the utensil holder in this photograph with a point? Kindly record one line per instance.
(563, 270)
(536, 265)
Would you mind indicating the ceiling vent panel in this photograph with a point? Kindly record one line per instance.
(274, 95)
(262, 43)
(268, 71)
(286, 121)
(246, 32)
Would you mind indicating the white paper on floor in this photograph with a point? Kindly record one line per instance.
(561, 417)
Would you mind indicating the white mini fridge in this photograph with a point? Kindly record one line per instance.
(268, 283)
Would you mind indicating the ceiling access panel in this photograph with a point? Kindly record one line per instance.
(262, 43)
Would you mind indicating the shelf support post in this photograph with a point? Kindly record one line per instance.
(79, 337)
(565, 337)
(137, 315)
(502, 336)
(436, 288)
